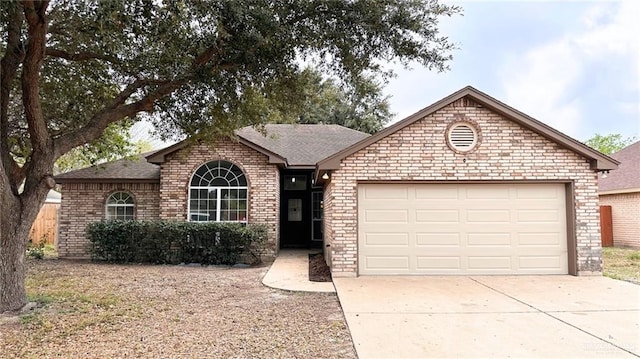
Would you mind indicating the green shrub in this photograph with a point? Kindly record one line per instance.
(176, 242)
(35, 251)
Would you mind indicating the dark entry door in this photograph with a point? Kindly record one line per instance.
(295, 209)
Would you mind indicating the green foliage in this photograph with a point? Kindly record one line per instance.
(237, 62)
(35, 251)
(609, 144)
(114, 144)
(365, 109)
(175, 242)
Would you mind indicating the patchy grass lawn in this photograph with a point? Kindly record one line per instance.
(622, 263)
(89, 310)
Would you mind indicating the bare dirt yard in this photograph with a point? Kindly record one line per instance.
(93, 310)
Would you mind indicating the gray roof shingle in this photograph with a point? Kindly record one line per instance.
(627, 176)
(303, 145)
(123, 170)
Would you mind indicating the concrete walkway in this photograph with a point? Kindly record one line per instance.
(491, 316)
(290, 271)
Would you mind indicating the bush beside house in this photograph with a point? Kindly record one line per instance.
(171, 242)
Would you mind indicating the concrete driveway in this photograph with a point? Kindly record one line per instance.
(491, 316)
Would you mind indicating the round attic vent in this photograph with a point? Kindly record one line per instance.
(462, 137)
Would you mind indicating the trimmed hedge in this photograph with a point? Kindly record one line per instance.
(172, 242)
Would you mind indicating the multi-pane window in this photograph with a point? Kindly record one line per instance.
(218, 192)
(120, 205)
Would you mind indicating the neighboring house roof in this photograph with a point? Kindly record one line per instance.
(598, 160)
(293, 145)
(627, 177)
(303, 145)
(123, 170)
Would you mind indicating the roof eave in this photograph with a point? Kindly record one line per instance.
(160, 156)
(107, 180)
(598, 161)
(333, 162)
(274, 158)
(619, 191)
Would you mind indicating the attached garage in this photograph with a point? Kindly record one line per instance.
(462, 229)
(466, 186)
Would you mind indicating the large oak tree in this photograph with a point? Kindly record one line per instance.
(70, 68)
(364, 108)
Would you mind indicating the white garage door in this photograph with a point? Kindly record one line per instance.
(462, 229)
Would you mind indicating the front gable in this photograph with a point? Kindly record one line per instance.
(466, 100)
(161, 156)
(263, 181)
(504, 149)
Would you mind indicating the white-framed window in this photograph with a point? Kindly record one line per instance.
(120, 205)
(218, 192)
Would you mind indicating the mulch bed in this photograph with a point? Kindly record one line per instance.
(318, 269)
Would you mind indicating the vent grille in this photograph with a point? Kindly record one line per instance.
(462, 137)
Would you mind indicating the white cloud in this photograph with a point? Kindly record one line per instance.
(537, 82)
(617, 36)
(540, 81)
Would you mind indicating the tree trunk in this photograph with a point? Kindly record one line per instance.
(13, 240)
(18, 212)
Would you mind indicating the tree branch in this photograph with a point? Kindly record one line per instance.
(206, 56)
(124, 95)
(9, 64)
(41, 143)
(116, 111)
(37, 30)
(81, 56)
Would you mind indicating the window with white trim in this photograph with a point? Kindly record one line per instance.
(120, 205)
(218, 193)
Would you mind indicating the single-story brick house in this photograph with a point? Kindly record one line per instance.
(620, 189)
(467, 185)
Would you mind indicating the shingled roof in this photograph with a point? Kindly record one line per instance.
(303, 145)
(286, 144)
(123, 170)
(627, 177)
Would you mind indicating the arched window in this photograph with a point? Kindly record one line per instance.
(218, 193)
(120, 205)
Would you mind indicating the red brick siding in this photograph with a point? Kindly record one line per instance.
(83, 203)
(419, 152)
(263, 180)
(625, 210)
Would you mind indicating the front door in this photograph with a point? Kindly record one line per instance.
(295, 209)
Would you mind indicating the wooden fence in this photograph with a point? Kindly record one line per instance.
(45, 227)
(606, 226)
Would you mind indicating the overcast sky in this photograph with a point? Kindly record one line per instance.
(572, 65)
